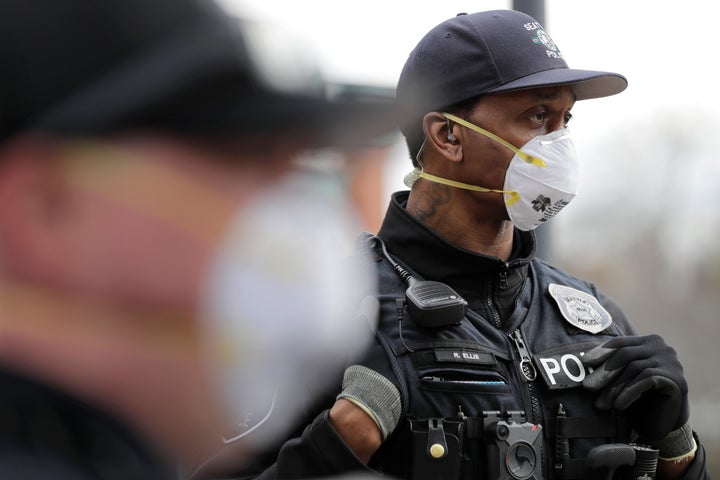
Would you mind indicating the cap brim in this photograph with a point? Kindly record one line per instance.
(585, 84)
(202, 82)
(347, 117)
(340, 118)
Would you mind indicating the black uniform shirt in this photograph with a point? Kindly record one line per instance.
(489, 284)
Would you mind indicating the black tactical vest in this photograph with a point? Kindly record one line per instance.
(475, 395)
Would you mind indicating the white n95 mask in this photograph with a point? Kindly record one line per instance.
(283, 302)
(541, 178)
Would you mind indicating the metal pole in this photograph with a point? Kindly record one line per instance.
(536, 9)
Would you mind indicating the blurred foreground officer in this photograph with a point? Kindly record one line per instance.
(162, 267)
(491, 364)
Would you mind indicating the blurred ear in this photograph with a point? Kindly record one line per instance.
(443, 136)
(33, 197)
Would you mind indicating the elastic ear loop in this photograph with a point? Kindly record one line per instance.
(417, 173)
(514, 196)
(528, 158)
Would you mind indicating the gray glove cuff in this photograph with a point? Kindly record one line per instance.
(375, 394)
(676, 444)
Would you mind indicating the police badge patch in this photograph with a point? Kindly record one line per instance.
(582, 310)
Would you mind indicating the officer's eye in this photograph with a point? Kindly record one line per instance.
(538, 117)
(568, 117)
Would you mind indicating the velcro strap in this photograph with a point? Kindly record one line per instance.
(590, 427)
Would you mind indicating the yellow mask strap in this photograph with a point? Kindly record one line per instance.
(528, 158)
(514, 196)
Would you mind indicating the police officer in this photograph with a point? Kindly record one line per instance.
(489, 362)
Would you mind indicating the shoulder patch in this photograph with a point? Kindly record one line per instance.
(580, 309)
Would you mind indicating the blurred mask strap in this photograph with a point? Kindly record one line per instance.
(156, 195)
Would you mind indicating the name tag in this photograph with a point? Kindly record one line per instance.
(464, 355)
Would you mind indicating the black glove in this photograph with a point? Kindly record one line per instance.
(643, 376)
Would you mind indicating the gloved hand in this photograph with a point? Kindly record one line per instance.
(642, 375)
(375, 395)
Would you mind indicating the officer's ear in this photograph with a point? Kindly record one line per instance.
(442, 135)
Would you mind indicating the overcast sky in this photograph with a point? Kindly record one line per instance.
(663, 47)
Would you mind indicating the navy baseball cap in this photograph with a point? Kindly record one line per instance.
(89, 67)
(490, 52)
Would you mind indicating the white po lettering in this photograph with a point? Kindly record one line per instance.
(551, 367)
(575, 378)
(569, 365)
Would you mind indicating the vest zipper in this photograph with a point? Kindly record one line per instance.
(529, 374)
(496, 316)
(502, 284)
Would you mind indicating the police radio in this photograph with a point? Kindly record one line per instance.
(430, 304)
(433, 304)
